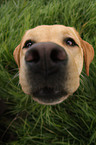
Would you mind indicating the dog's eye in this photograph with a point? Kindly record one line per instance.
(28, 43)
(70, 42)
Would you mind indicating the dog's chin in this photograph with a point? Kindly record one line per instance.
(49, 96)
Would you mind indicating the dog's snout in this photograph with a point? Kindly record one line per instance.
(46, 56)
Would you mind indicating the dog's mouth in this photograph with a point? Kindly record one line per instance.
(49, 96)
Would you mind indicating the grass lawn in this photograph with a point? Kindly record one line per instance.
(25, 122)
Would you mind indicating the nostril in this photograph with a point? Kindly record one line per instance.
(58, 55)
(32, 56)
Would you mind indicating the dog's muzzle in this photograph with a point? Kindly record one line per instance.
(46, 64)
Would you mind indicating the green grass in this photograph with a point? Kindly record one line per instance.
(25, 122)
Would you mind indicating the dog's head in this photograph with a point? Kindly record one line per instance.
(50, 61)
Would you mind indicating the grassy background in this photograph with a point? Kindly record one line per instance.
(25, 122)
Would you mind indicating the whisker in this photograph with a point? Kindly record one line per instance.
(15, 76)
(81, 78)
(83, 73)
(14, 69)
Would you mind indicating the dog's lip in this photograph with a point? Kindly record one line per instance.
(49, 96)
(46, 91)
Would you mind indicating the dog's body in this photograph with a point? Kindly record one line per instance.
(50, 61)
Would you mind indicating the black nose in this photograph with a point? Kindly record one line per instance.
(46, 56)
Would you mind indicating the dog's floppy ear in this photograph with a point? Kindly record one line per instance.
(16, 55)
(88, 54)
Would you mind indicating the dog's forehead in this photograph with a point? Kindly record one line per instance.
(49, 31)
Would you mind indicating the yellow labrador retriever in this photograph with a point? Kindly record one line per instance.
(50, 61)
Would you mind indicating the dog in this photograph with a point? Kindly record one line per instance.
(50, 60)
